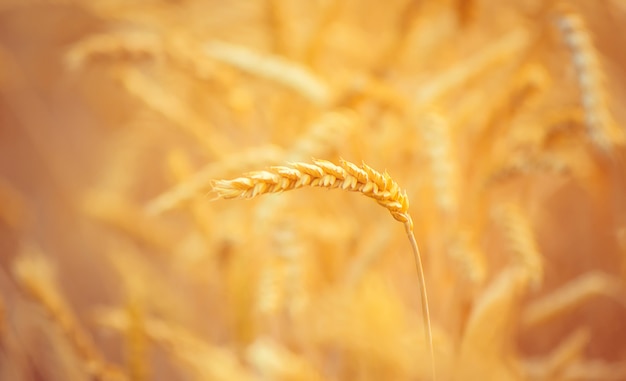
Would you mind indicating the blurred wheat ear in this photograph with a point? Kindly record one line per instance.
(347, 176)
(602, 129)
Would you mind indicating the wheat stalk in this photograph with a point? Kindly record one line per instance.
(114, 47)
(456, 76)
(205, 360)
(201, 180)
(522, 241)
(274, 68)
(347, 176)
(36, 276)
(437, 134)
(600, 125)
(568, 351)
(569, 296)
(163, 102)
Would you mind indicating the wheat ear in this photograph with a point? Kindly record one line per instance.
(600, 125)
(274, 68)
(347, 176)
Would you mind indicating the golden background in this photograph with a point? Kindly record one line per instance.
(503, 120)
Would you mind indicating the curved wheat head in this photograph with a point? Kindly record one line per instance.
(325, 174)
(347, 176)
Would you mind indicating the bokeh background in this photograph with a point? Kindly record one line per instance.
(503, 120)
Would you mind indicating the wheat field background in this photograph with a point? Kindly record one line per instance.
(502, 120)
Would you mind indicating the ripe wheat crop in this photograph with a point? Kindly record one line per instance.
(124, 126)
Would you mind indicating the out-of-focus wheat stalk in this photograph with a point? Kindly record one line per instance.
(568, 351)
(275, 68)
(602, 130)
(573, 294)
(485, 340)
(201, 181)
(36, 276)
(203, 358)
(509, 45)
(522, 241)
(121, 214)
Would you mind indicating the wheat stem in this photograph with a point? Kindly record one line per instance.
(424, 296)
(347, 176)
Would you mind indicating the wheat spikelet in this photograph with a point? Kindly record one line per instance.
(282, 280)
(518, 230)
(468, 257)
(323, 137)
(274, 68)
(270, 288)
(526, 164)
(290, 247)
(325, 174)
(437, 135)
(601, 128)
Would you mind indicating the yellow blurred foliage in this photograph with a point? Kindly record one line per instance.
(503, 120)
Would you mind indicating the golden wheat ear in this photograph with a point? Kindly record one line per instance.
(347, 176)
(601, 127)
